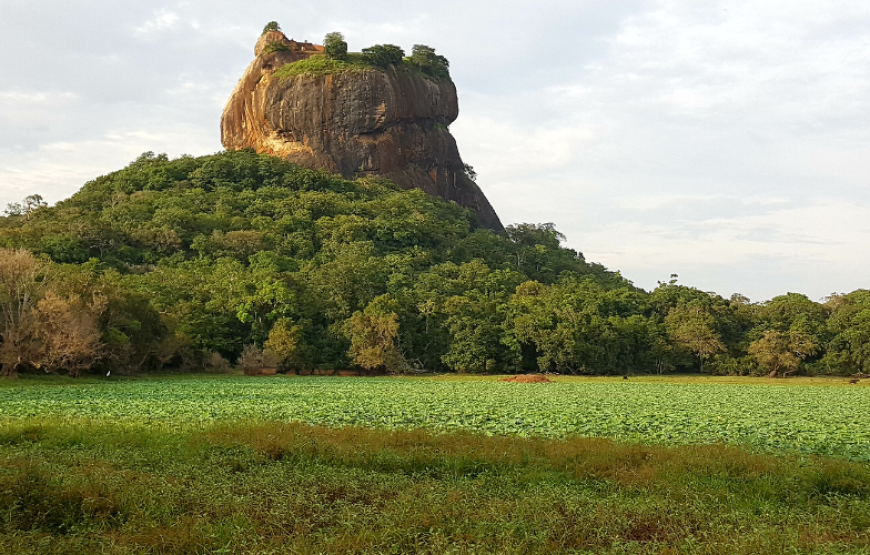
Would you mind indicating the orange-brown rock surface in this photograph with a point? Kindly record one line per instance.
(389, 122)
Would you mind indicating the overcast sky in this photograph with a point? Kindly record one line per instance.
(727, 142)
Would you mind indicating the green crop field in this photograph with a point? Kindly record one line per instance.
(775, 418)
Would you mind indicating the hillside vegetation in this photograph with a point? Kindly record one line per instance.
(196, 261)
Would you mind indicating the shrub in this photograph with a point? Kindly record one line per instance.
(216, 363)
(275, 46)
(255, 360)
(270, 359)
(384, 55)
(251, 361)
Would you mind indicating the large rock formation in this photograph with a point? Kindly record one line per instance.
(389, 122)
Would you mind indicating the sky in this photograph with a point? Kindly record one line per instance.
(727, 142)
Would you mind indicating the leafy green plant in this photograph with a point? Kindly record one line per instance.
(275, 46)
(426, 60)
(384, 55)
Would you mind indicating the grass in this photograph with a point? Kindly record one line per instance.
(320, 64)
(292, 488)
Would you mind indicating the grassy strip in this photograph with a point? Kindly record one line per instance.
(291, 488)
(322, 65)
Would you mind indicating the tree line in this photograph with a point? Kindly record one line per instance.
(245, 258)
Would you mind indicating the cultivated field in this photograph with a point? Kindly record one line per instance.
(212, 465)
(825, 417)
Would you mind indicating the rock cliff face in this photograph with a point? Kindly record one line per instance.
(390, 122)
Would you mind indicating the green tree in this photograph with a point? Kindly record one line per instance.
(286, 340)
(781, 353)
(384, 55)
(373, 336)
(426, 60)
(26, 207)
(692, 327)
(848, 351)
(334, 46)
(271, 26)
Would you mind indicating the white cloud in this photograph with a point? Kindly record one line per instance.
(724, 141)
(55, 170)
(162, 20)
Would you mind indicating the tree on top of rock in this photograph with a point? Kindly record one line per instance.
(271, 26)
(384, 55)
(335, 47)
(430, 63)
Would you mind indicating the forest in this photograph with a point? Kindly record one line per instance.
(240, 258)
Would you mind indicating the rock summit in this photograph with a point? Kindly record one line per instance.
(391, 122)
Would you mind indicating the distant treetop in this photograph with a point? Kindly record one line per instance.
(271, 26)
(427, 61)
(334, 46)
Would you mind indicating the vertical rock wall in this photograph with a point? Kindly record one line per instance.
(390, 122)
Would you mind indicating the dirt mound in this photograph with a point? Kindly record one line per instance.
(527, 378)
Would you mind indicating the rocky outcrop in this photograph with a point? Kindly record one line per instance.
(388, 122)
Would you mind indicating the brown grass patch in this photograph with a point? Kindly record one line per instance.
(527, 378)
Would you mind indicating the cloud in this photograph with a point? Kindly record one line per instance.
(724, 141)
(56, 170)
(160, 22)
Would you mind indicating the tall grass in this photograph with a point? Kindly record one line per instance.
(291, 488)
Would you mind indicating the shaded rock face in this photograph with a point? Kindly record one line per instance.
(391, 123)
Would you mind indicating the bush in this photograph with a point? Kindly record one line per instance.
(335, 47)
(216, 363)
(383, 55)
(251, 361)
(255, 360)
(275, 46)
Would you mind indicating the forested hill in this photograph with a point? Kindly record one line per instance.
(243, 256)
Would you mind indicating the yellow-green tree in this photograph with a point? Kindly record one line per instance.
(22, 279)
(285, 340)
(692, 327)
(373, 337)
(781, 353)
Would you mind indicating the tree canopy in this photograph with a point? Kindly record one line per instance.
(193, 261)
